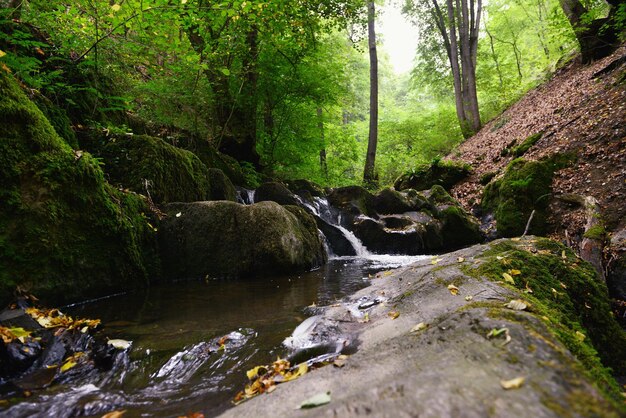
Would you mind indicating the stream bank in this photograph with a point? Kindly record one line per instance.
(459, 347)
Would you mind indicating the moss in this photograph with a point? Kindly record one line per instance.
(458, 229)
(566, 291)
(66, 234)
(525, 186)
(442, 173)
(439, 196)
(521, 149)
(487, 177)
(173, 174)
(58, 118)
(597, 232)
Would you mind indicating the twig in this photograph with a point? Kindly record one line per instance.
(530, 219)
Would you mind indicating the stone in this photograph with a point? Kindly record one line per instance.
(226, 239)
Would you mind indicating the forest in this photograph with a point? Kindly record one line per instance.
(243, 193)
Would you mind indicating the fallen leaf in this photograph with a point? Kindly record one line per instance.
(453, 289)
(393, 314)
(435, 260)
(367, 317)
(497, 332)
(580, 336)
(179, 214)
(114, 414)
(514, 272)
(555, 293)
(315, 401)
(563, 285)
(119, 344)
(515, 239)
(508, 278)
(469, 297)
(460, 259)
(513, 383)
(340, 361)
(2, 53)
(528, 289)
(517, 305)
(419, 327)
(587, 305)
(563, 255)
(302, 369)
(67, 365)
(499, 257)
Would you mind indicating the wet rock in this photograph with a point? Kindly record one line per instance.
(353, 201)
(307, 187)
(339, 244)
(442, 173)
(616, 277)
(221, 188)
(450, 366)
(275, 192)
(226, 239)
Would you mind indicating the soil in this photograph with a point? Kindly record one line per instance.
(582, 110)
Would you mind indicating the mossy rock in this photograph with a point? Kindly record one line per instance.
(458, 228)
(275, 192)
(173, 174)
(354, 200)
(301, 185)
(221, 186)
(438, 196)
(442, 173)
(226, 239)
(521, 149)
(525, 186)
(389, 201)
(215, 159)
(65, 233)
(567, 293)
(58, 118)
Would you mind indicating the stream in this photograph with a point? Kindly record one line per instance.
(169, 371)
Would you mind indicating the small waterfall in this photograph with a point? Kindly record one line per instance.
(245, 196)
(321, 208)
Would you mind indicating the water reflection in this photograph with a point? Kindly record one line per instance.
(171, 371)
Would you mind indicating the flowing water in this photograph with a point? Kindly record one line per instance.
(170, 370)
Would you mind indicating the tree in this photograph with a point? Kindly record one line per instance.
(369, 175)
(597, 37)
(458, 27)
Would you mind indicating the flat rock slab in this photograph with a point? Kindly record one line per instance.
(448, 369)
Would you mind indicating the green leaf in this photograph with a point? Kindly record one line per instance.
(315, 401)
(225, 71)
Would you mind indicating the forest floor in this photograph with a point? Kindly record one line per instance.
(581, 109)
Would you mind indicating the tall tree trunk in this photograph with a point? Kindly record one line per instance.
(369, 176)
(597, 38)
(320, 125)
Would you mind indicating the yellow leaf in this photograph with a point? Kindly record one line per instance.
(116, 7)
(252, 373)
(508, 278)
(513, 383)
(580, 336)
(514, 272)
(419, 327)
(563, 285)
(453, 289)
(460, 259)
(2, 53)
(563, 255)
(515, 239)
(302, 369)
(68, 365)
(340, 361)
(393, 314)
(114, 414)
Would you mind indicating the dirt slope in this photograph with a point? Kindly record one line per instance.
(582, 109)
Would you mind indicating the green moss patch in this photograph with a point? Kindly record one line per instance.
(442, 173)
(566, 293)
(65, 232)
(525, 186)
(173, 174)
(521, 149)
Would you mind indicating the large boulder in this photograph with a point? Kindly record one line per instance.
(442, 173)
(454, 339)
(305, 188)
(221, 187)
(147, 164)
(226, 239)
(353, 201)
(275, 192)
(65, 233)
(526, 186)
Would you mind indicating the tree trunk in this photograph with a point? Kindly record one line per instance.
(320, 125)
(597, 38)
(369, 176)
